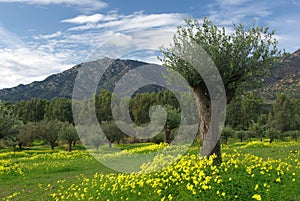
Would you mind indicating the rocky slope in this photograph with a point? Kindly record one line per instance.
(284, 77)
(61, 84)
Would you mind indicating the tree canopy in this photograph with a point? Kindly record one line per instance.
(242, 57)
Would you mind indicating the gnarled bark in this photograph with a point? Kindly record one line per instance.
(210, 138)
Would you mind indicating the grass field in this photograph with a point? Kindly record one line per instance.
(249, 171)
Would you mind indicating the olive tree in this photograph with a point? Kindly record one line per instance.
(9, 126)
(48, 131)
(227, 133)
(242, 58)
(69, 134)
(273, 134)
(112, 132)
(257, 130)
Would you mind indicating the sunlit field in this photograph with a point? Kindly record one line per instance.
(250, 170)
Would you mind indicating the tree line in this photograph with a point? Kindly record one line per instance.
(249, 117)
(52, 121)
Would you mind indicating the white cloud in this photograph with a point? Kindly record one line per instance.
(23, 66)
(83, 19)
(20, 64)
(231, 2)
(225, 12)
(48, 36)
(287, 31)
(125, 33)
(137, 20)
(87, 5)
(262, 13)
(8, 39)
(113, 35)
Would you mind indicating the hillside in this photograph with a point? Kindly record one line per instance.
(284, 78)
(61, 84)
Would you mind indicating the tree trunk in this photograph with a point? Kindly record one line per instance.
(211, 142)
(167, 135)
(70, 146)
(74, 143)
(110, 145)
(52, 145)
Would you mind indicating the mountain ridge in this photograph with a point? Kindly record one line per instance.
(61, 84)
(284, 78)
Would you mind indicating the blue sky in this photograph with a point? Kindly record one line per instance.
(42, 37)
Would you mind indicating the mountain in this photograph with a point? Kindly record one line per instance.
(61, 84)
(284, 78)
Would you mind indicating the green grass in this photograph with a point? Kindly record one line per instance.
(43, 169)
(33, 182)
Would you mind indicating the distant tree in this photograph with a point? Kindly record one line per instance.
(140, 106)
(122, 109)
(241, 57)
(68, 133)
(11, 137)
(59, 109)
(9, 126)
(273, 134)
(257, 130)
(92, 136)
(173, 117)
(283, 116)
(86, 106)
(95, 140)
(243, 110)
(48, 131)
(103, 106)
(32, 110)
(262, 119)
(112, 132)
(295, 122)
(173, 121)
(227, 133)
(294, 134)
(241, 135)
(169, 99)
(27, 134)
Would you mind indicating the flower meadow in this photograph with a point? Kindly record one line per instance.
(246, 173)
